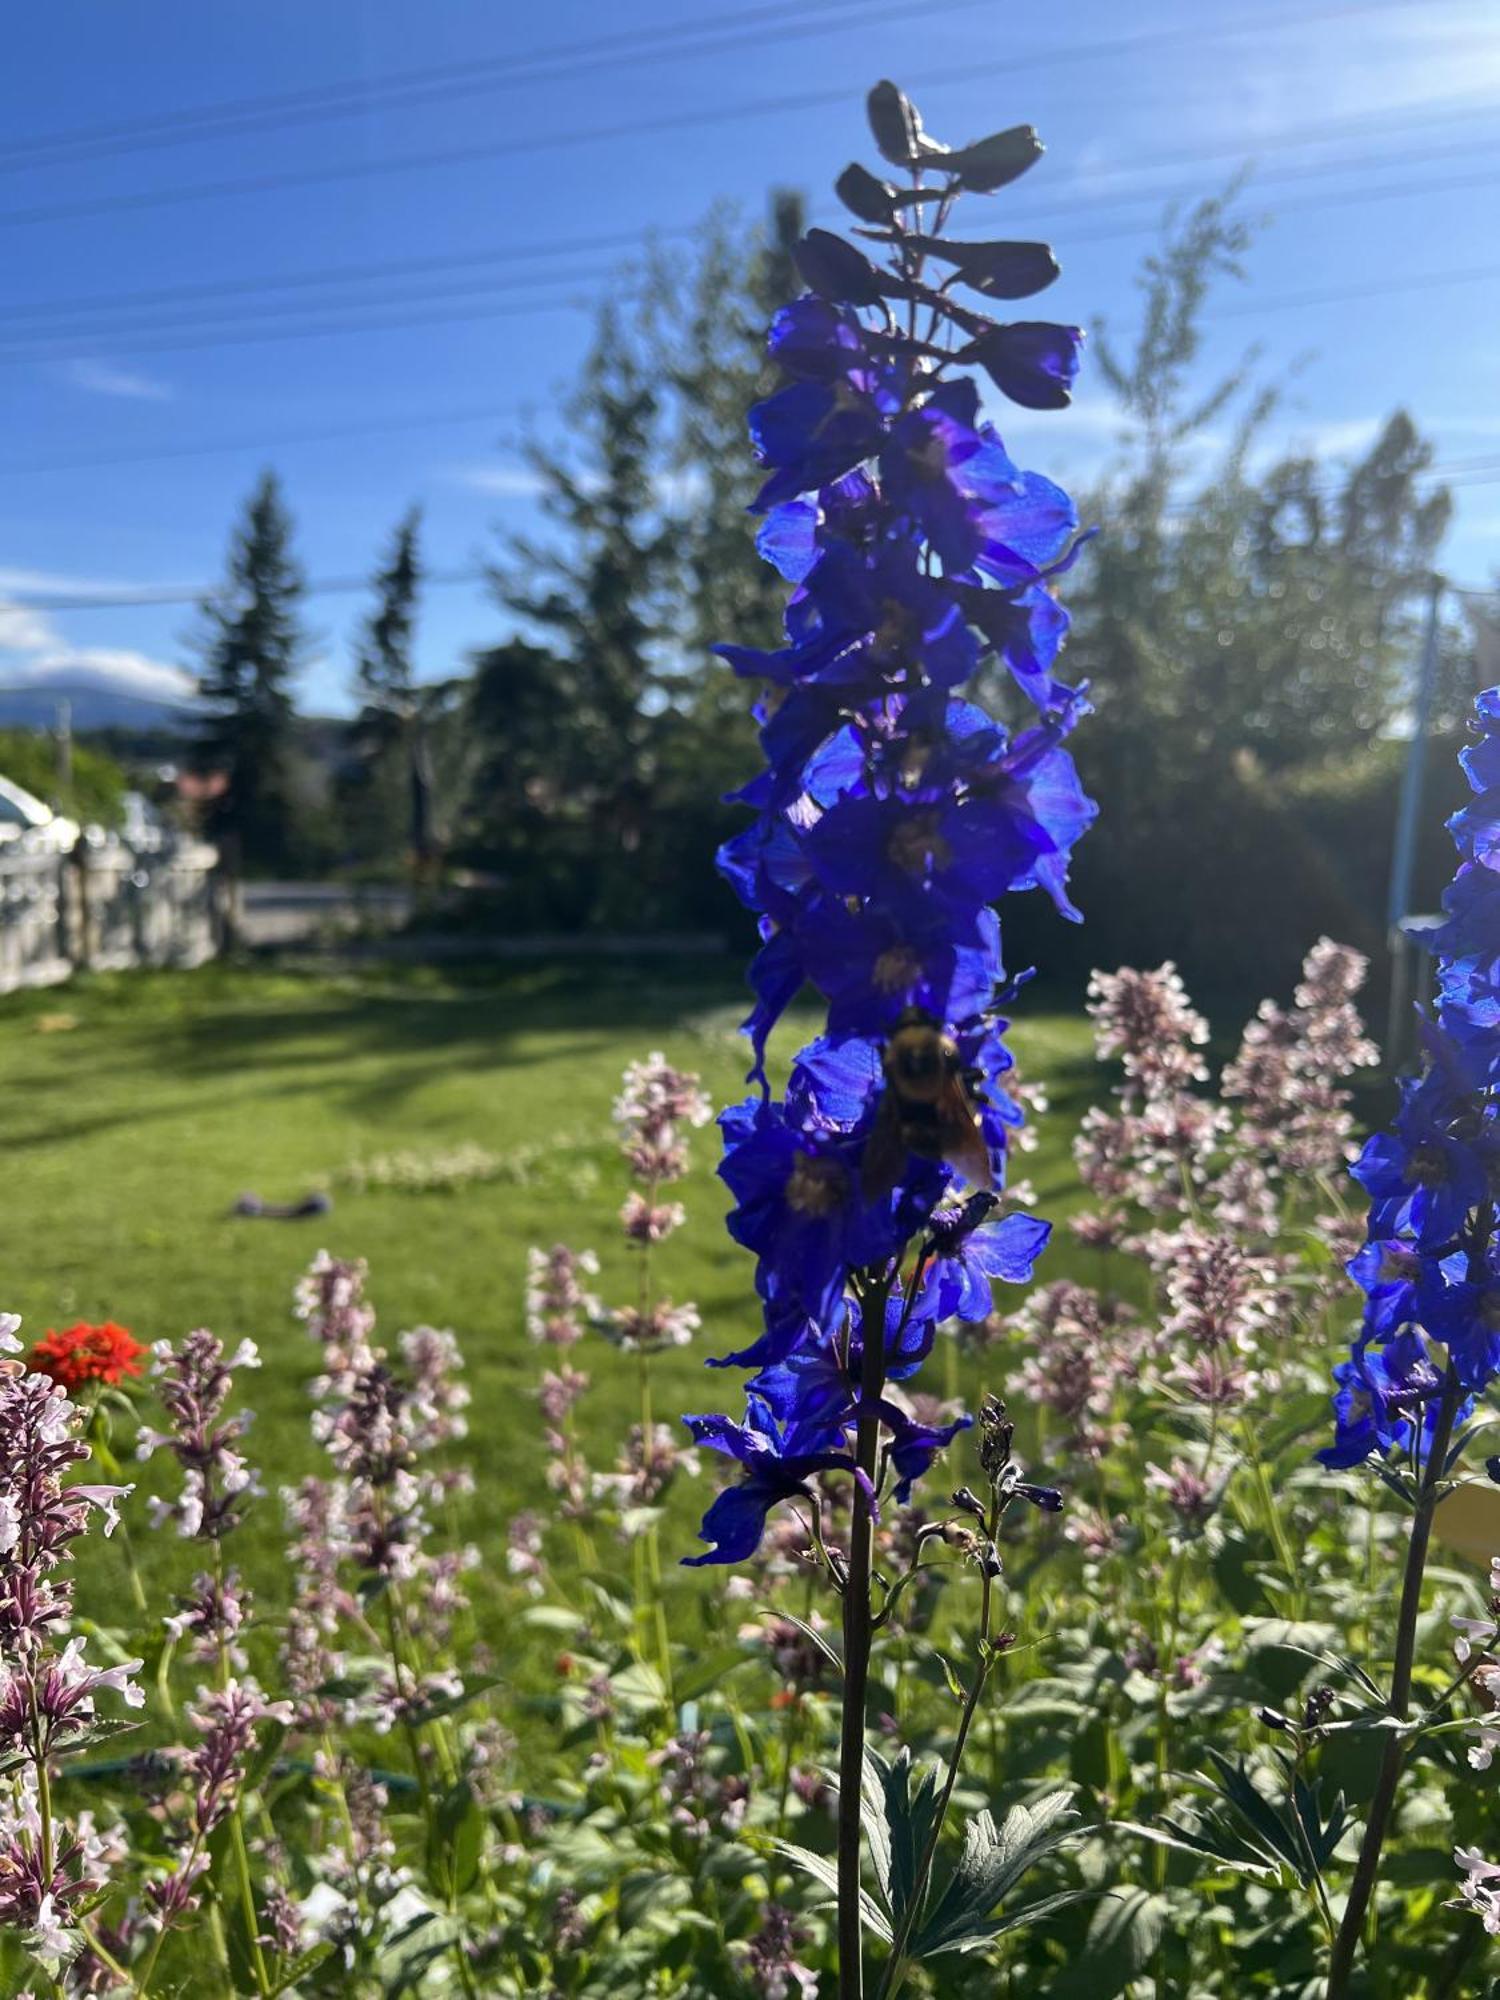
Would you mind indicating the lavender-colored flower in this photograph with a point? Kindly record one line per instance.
(1191, 1495)
(1146, 1019)
(559, 1306)
(211, 1618)
(1479, 1892)
(654, 1103)
(651, 1328)
(1291, 1066)
(194, 1383)
(49, 1870)
(769, 1961)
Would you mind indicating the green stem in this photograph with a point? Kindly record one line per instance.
(237, 1820)
(858, 1636)
(895, 1971)
(1367, 1867)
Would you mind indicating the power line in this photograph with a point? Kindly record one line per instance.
(559, 63)
(676, 121)
(69, 340)
(311, 434)
(178, 594)
(484, 413)
(611, 240)
(169, 595)
(114, 302)
(271, 322)
(353, 320)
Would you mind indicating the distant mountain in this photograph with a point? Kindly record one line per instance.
(98, 700)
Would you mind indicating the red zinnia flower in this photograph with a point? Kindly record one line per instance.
(83, 1353)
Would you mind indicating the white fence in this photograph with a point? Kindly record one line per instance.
(102, 905)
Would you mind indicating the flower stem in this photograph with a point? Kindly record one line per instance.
(895, 1971)
(858, 1636)
(1367, 1867)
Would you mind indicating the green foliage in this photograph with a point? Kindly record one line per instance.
(95, 795)
(250, 644)
(1136, 1815)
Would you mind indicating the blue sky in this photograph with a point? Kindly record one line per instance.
(1371, 129)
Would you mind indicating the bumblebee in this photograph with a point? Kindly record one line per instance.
(926, 1108)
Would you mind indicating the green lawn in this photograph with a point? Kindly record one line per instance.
(138, 1106)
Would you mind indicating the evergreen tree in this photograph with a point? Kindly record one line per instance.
(1248, 631)
(594, 592)
(388, 790)
(250, 646)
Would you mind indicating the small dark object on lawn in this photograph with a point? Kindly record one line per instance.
(283, 1211)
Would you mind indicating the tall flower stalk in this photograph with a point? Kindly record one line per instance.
(892, 813)
(51, 1872)
(1429, 1341)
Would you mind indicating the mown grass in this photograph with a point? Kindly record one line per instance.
(137, 1107)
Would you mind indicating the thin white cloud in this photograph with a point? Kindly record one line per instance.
(34, 653)
(505, 482)
(23, 630)
(51, 582)
(117, 670)
(102, 378)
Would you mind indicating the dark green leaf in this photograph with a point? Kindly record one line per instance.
(897, 126)
(993, 162)
(864, 194)
(999, 270)
(698, 1679)
(1187, 1840)
(992, 1861)
(823, 1868)
(1122, 1936)
(299, 1967)
(836, 270)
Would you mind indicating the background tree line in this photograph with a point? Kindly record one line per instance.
(1247, 622)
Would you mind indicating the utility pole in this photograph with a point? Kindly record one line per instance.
(62, 738)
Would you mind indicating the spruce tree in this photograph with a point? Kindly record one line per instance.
(389, 795)
(595, 593)
(250, 646)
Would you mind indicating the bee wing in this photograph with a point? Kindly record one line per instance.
(885, 1151)
(963, 1139)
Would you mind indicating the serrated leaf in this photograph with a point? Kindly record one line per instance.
(823, 1868)
(993, 1859)
(910, 1809)
(1185, 1840)
(872, 1813)
(896, 125)
(975, 1936)
(1266, 1823)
